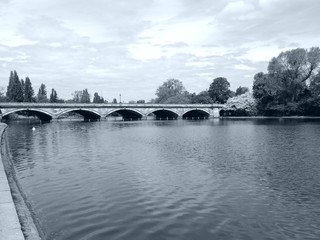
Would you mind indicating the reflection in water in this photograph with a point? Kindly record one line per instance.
(214, 179)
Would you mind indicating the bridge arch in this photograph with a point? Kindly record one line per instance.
(86, 113)
(196, 114)
(41, 114)
(126, 113)
(164, 113)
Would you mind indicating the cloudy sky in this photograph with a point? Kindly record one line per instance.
(132, 47)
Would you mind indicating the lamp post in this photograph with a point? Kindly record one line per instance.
(120, 97)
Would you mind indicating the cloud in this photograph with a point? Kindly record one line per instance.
(243, 67)
(235, 8)
(131, 47)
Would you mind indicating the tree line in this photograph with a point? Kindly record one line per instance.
(19, 90)
(291, 86)
(22, 91)
(173, 91)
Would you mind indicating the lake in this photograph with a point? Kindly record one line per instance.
(211, 179)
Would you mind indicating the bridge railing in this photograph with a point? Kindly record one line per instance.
(106, 105)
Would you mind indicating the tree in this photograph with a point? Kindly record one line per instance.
(81, 96)
(314, 86)
(3, 97)
(53, 96)
(141, 101)
(179, 99)
(97, 98)
(77, 95)
(10, 87)
(22, 86)
(203, 98)
(114, 100)
(14, 89)
(169, 88)
(291, 70)
(241, 105)
(85, 98)
(42, 93)
(284, 89)
(241, 90)
(263, 91)
(219, 90)
(28, 91)
(311, 105)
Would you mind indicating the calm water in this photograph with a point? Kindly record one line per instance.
(213, 179)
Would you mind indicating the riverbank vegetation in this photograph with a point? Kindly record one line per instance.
(291, 86)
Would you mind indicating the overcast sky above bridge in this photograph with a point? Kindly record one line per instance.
(132, 47)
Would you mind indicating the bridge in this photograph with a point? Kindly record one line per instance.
(103, 111)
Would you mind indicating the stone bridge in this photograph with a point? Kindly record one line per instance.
(93, 112)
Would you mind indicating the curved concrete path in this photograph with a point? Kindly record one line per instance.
(10, 228)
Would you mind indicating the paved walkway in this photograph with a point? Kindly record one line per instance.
(10, 228)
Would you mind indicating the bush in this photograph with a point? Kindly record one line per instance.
(242, 105)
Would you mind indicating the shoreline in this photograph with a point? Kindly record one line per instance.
(270, 117)
(26, 227)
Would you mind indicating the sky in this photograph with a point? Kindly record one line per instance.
(131, 47)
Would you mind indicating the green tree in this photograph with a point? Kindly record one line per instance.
(241, 90)
(9, 93)
(53, 96)
(284, 89)
(315, 86)
(28, 91)
(42, 93)
(76, 96)
(101, 99)
(311, 105)
(219, 90)
(22, 86)
(81, 96)
(3, 97)
(263, 91)
(97, 98)
(169, 89)
(203, 98)
(85, 98)
(179, 99)
(14, 89)
(291, 70)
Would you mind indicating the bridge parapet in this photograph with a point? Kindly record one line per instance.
(105, 105)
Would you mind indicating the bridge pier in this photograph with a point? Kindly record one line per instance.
(216, 113)
(54, 119)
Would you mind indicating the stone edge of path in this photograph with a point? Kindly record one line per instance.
(16, 221)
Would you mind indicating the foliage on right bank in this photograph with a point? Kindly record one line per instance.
(291, 86)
